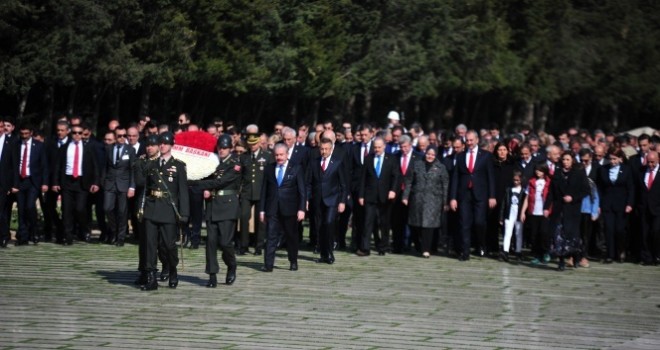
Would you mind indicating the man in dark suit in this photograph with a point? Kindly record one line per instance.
(96, 199)
(51, 218)
(472, 193)
(525, 164)
(359, 153)
(649, 210)
(298, 154)
(140, 147)
(406, 157)
(253, 165)
(6, 183)
(30, 177)
(75, 177)
(327, 192)
(380, 181)
(638, 161)
(119, 185)
(282, 204)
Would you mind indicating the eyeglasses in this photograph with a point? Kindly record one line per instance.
(76, 133)
(120, 135)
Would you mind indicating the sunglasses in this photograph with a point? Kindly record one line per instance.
(121, 135)
(76, 133)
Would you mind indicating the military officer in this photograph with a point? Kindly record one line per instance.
(252, 164)
(166, 205)
(221, 191)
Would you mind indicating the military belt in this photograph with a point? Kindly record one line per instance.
(225, 192)
(158, 194)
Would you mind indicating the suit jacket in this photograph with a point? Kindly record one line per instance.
(120, 175)
(175, 182)
(227, 177)
(287, 199)
(615, 196)
(330, 186)
(527, 171)
(53, 149)
(482, 177)
(90, 170)
(7, 165)
(300, 155)
(414, 156)
(356, 165)
(649, 199)
(374, 189)
(593, 173)
(38, 164)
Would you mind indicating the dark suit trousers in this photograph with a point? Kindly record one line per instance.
(74, 207)
(160, 239)
(116, 211)
(220, 233)
(615, 232)
(249, 210)
(326, 222)
(51, 218)
(142, 250)
(276, 224)
(4, 218)
(27, 209)
(358, 222)
(472, 215)
(376, 215)
(650, 244)
(399, 224)
(342, 225)
(96, 200)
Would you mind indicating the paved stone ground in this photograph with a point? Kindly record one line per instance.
(83, 297)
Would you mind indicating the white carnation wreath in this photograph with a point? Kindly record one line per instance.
(199, 163)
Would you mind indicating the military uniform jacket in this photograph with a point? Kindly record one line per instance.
(253, 173)
(173, 173)
(224, 184)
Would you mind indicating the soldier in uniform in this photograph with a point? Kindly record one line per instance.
(221, 191)
(166, 205)
(140, 180)
(252, 164)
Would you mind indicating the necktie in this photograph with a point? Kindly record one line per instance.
(76, 159)
(280, 174)
(650, 180)
(366, 151)
(254, 157)
(643, 160)
(117, 154)
(162, 162)
(552, 168)
(25, 160)
(378, 161)
(323, 164)
(471, 162)
(404, 165)
(471, 167)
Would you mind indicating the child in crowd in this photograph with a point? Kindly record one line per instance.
(532, 213)
(510, 216)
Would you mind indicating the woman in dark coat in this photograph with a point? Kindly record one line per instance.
(617, 190)
(563, 207)
(426, 195)
(503, 172)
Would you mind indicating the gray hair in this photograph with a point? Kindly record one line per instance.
(288, 131)
(281, 145)
(404, 139)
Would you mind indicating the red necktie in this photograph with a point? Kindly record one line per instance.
(404, 166)
(25, 161)
(76, 159)
(471, 167)
(323, 164)
(650, 181)
(471, 162)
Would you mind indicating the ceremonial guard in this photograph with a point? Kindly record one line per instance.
(221, 191)
(166, 205)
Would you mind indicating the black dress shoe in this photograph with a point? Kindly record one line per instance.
(257, 252)
(88, 237)
(194, 245)
(68, 243)
(231, 276)
(164, 275)
(213, 281)
(294, 266)
(331, 258)
(3, 243)
(152, 282)
(21, 242)
(361, 253)
(322, 259)
(242, 251)
(119, 243)
(174, 279)
(561, 266)
(463, 257)
(266, 269)
(381, 252)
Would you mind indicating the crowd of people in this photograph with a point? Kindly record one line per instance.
(574, 197)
